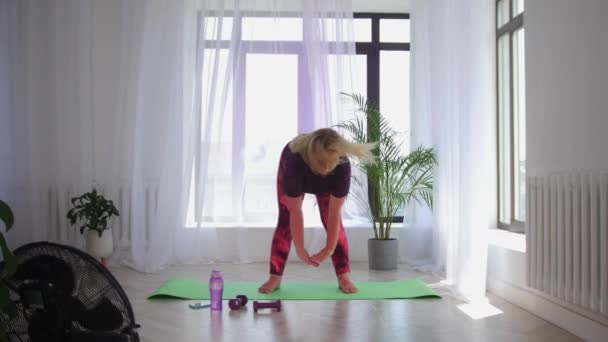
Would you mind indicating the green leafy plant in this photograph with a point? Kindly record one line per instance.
(396, 178)
(93, 210)
(7, 307)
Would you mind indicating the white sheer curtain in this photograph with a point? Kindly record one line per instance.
(453, 109)
(270, 70)
(101, 96)
(137, 98)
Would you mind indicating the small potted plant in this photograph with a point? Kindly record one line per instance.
(7, 306)
(394, 180)
(94, 212)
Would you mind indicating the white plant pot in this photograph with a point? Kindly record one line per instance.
(100, 247)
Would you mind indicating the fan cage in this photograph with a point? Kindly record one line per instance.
(92, 284)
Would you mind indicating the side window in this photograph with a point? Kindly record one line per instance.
(511, 111)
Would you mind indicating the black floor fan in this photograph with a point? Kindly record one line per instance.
(64, 295)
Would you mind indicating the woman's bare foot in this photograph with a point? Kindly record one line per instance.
(345, 284)
(273, 283)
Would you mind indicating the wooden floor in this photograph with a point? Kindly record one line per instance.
(312, 321)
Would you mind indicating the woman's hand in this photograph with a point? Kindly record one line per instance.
(333, 229)
(322, 255)
(303, 255)
(296, 226)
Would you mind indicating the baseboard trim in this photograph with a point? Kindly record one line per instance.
(577, 324)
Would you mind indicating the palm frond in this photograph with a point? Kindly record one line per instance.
(394, 179)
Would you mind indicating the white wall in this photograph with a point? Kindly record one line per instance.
(386, 6)
(6, 170)
(390, 6)
(567, 126)
(567, 85)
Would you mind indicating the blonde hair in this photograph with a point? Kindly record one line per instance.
(330, 140)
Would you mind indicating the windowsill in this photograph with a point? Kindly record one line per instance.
(508, 240)
(268, 225)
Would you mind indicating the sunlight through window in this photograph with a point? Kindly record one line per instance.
(480, 309)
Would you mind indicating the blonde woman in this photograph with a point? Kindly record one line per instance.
(315, 163)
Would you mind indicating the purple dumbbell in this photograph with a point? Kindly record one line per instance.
(238, 302)
(267, 305)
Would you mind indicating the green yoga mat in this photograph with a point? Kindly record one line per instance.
(194, 289)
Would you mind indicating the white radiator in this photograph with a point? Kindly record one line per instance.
(56, 202)
(567, 238)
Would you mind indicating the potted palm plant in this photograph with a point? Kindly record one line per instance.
(393, 181)
(94, 212)
(7, 306)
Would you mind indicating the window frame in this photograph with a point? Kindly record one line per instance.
(371, 50)
(513, 24)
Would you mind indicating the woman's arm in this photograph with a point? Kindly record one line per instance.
(333, 228)
(296, 227)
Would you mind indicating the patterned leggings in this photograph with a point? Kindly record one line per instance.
(281, 242)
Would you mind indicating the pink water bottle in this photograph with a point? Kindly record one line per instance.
(216, 289)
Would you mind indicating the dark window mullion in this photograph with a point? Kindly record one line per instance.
(363, 48)
(373, 64)
(373, 82)
(512, 25)
(394, 46)
(376, 15)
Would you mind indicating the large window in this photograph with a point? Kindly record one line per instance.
(247, 180)
(511, 114)
(387, 54)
